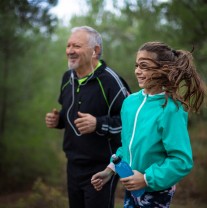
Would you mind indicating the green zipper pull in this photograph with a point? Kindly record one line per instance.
(78, 89)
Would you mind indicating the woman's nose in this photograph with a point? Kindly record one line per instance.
(138, 70)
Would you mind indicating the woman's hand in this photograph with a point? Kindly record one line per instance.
(134, 182)
(99, 179)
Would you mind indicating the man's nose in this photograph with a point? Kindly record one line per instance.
(70, 50)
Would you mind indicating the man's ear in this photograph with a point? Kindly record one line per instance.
(97, 51)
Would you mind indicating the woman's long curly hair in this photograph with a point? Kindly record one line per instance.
(176, 74)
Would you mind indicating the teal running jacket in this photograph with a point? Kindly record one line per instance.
(155, 140)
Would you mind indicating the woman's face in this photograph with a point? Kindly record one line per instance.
(145, 67)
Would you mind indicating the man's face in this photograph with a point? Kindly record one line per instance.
(78, 51)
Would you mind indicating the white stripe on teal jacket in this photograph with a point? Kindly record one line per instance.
(155, 140)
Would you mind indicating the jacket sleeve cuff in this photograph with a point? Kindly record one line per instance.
(99, 129)
(145, 179)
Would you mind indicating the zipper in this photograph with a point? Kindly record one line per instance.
(134, 129)
(79, 104)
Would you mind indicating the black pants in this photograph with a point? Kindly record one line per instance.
(81, 192)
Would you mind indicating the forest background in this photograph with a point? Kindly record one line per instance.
(32, 61)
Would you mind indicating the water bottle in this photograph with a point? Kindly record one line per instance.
(124, 170)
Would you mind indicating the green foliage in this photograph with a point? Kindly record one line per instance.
(19, 20)
(42, 196)
(27, 151)
(26, 15)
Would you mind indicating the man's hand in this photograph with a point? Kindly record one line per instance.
(86, 123)
(52, 119)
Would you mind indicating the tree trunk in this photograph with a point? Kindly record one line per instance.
(4, 93)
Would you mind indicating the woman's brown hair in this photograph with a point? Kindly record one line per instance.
(176, 74)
